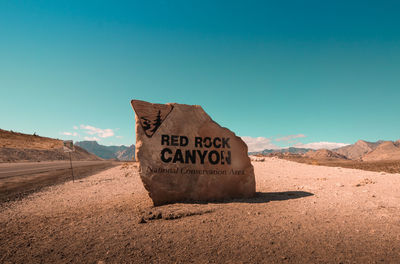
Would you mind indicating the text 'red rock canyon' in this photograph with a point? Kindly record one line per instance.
(185, 156)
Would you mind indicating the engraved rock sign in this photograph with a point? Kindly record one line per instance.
(185, 156)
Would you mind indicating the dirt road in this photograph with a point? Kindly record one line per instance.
(9, 170)
(18, 179)
(302, 214)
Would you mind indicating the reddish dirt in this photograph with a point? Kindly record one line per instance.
(302, 214)
(15, 140)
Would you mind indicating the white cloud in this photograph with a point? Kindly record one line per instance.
(259, 143)
(320, 145)
(102, 133)
(119, 136)
(73, 134)
(92, 138)
(75, 127)
(290, 137)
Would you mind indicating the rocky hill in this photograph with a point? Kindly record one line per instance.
(108, 152)
(16, 147)
(324, 154)
(357, 150)
(387, 150)
(11, 139)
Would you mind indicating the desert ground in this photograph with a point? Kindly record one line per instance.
(301, 214)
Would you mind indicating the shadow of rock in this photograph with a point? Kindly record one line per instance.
(260, 197)
(265, 197)
(175, 211)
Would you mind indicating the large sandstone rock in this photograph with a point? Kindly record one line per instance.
(185, 156)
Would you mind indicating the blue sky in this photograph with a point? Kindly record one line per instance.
(301, 72)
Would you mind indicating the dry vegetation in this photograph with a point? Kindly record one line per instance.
(17, 147)
(386, 166)
(10, 139)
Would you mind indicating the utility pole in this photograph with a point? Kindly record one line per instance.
(72, 170)
(68, 146)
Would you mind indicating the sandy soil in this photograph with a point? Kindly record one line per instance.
(302, 214)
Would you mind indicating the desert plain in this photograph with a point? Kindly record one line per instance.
(301, 214)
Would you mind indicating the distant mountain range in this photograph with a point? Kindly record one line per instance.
(291, 150)
(361, 150)
(371, 151)
(387, 150)
(108, 152)
(324, 154)
(357, 150)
